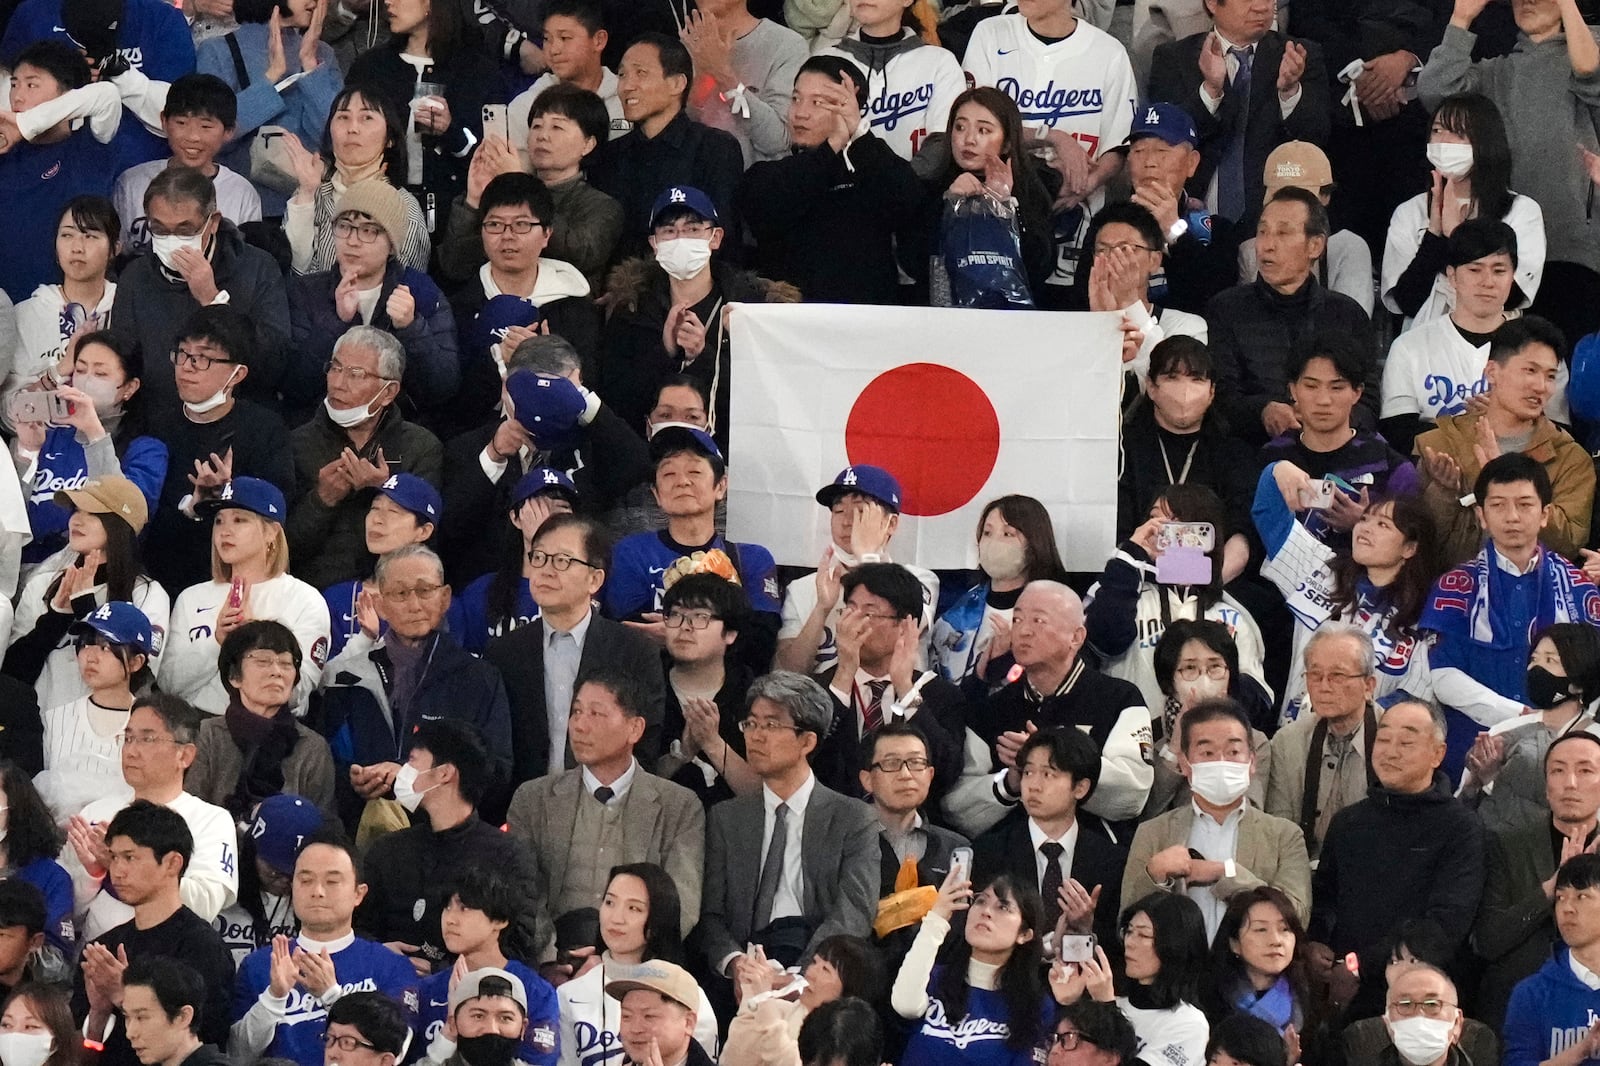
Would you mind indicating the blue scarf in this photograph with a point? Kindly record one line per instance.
(1561, 599)
(1275, 1006)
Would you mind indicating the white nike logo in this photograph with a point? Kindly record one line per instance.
(658, 570)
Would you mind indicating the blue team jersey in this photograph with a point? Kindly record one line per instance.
(469, 614)
(363, 966)
(633, 585)
(55, 883)
(63, 466)
(540, 1043)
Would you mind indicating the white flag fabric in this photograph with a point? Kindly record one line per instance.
(962, 406)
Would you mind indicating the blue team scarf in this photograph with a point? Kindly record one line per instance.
(1276, 1005)
(1560, 598)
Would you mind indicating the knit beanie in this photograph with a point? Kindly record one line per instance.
(379, 201)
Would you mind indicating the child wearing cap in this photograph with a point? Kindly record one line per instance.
(83, 738)
(498, 602)
(268, 847)
(99, 563)
(405, 510)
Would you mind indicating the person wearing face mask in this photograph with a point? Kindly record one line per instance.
(1505, 769)
(357, 444)
(1423, 1024)
(487, 1021)
(1472, 168)
(36, 1023)
(1220, 843)
(863, 505)
(1016, 545)
(666, 316)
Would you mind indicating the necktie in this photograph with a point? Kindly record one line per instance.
(872, 717)
(1050, 883)
(771, 869)
(604, 794)
(1230, 173)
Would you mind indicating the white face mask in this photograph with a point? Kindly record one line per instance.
(165, 246)
(1451, 160)
(350, 417)
(1001, 559)
(25, 1049)
(683, 257)
(101, 391)
(215, 400)
(1201, 688)
(405, 791)
(1219, 782)
(1419, 1040)
(843, 558)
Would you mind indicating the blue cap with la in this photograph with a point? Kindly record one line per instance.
(281, 827)
(248, 494)
(414, 494)
(677, 198)
(668, 438)
(1169, 122)
(119, 622)
(542, 479)
(546, 406)
(497, 315)
(873, 481)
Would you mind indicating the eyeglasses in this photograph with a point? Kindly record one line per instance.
(862, 612)
(421, 592)
(145, 740)
(265, 660)
(893, 764)
(1336, 677)
(1070, 1040)
(684, 229)
(1192, 671)
(354, 374)
(1132, 246)
(696, 620)
(1410, 1008)
(364, 232)
(767, 725)
(346, 1043)
(561, 561)
(520, 226)
(198, 360)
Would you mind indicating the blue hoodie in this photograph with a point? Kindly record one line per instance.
(1549, 1012)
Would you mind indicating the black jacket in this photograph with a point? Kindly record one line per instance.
(1096, 860)
(634, 169)
(1366, 29)
(1429, 850)
(1221, 463)
(1254, 331)
(827, 221)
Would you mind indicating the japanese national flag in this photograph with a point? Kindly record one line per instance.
(962, 406)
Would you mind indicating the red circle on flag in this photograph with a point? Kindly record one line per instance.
(933, 428)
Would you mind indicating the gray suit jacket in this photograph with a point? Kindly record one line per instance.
(1270, 851)
(839, 852)
(664, 824)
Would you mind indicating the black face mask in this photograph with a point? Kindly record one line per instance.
(490, 1049)
(1545, 690)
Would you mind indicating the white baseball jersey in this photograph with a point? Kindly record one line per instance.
(1433, 370)
(909, 97)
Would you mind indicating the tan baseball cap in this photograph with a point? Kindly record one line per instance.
(1297, 164)
(108, 495)
(670, 980)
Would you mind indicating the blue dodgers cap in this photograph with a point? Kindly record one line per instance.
(415, 495)
(683, 197)
(1168, 121)
(281, 827)
(248, 494)
(872, 481)
(497, 315)
(546, 406)
(670, 437)
(543, 479)
(119, 622)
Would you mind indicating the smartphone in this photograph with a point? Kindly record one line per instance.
(497, 121)
(1201, 535)
(35, 405)
(236, 593)
(1182, 549)
(1076, 947)
(1318, 496)
(961, 864)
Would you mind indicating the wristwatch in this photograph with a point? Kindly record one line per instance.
(1177, 230)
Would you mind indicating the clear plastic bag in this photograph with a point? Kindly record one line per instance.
(981, 245)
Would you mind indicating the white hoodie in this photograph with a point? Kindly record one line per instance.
(42, 335)
(556, 280)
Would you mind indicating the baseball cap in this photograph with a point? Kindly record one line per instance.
(280, 828)
(670, 437)
(546, 406)
(119, 622)
(1168, 121)
(489, 981)
(248, 494)
(498, 314)
(543, 479)
(1299, 165)
(872, 481)
(415, 495)
(108, 495)
(683, 197)
(667, 978)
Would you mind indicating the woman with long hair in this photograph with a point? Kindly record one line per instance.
(990, 979)
(1563, 685)
(36, 1027)
(365, 139)
(1471, 159)
(1130, 606)
(767, 1033)
(28, 849)
(1016, 545)
(1164, 958)
(1378, 586)
(99, 562)
(640, 920)
(1258, 962)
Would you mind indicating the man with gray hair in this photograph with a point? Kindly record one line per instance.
(796, 862)
(1055, 688)
(602, 455)
(1321, 762)
(1410, 850)
(356, 441)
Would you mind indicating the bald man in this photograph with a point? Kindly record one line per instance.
(1057, 688)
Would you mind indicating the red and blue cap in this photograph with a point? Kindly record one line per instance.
(873, 481)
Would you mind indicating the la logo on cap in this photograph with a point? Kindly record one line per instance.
(104, 612)
(678, 196)
(849, 476)
(550, 478)
(1152, 115)
(227, 491)
(393, 482)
